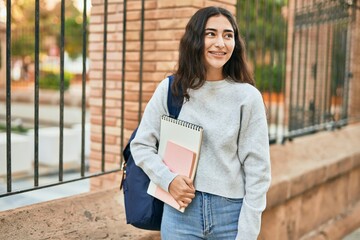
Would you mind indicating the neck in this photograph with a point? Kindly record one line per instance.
(214, 75)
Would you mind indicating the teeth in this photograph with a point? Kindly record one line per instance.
(218, 53)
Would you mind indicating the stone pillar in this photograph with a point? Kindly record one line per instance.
(164, 25)
(354, 96)
(3, 55)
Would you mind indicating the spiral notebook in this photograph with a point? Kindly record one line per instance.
(179, 147)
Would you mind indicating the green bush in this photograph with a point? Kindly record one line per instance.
(51, 80)
(269, 78)
(15, 129)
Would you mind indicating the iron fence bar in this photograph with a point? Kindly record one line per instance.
(283, 84)
(141, 57)
(327, 80)
(303, 132)
(314, 109)
(332, 125)
(61, 127)
(36, 94)
(298, 75)
(247, 9)
(123, 81)
(324, 115)
(83, 90)
(285, 137)
(318, 109)
(271, 77)
(59, 183)
(263, 49)
(103, 139)
(348, 74)
(8, 95)
(305, 74)
(343, 40)
(256, 8)
(333, 66)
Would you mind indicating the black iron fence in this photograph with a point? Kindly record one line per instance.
(35, 42)
(320, 63)
(306, 89)
(315, 89)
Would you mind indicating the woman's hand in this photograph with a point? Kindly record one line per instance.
(182, 189)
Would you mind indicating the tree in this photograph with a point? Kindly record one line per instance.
(23, 27)
(73, 29)
(263, 27)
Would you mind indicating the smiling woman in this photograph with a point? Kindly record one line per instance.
(227, 196)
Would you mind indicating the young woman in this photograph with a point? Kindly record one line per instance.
(228, 194)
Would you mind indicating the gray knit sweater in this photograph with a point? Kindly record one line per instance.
(234, 161)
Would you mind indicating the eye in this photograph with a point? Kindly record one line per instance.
(210, 34)
(229, 36)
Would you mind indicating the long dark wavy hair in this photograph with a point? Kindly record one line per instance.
(191, 73)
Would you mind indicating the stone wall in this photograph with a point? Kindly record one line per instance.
(315, 191)
(164, 25)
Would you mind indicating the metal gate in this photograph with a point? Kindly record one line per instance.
(320, 66)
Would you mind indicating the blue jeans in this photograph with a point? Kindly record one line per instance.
(207, 217)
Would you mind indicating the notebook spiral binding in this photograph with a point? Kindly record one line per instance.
(182, 123)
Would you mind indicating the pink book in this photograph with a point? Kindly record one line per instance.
(179, 160)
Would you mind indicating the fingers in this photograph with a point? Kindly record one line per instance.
(183, 190)
(189, 182)
(184, 202)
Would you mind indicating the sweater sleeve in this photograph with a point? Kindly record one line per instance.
(254, 155)
(144, 145)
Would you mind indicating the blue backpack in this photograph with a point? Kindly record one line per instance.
(141, 209)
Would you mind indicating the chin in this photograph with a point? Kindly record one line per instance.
(216, 66)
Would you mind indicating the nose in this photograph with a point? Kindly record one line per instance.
(220, 42)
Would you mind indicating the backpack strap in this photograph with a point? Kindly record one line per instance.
(174, 103)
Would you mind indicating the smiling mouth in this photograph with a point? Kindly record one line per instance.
(218, 53)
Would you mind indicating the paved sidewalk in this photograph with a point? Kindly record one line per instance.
(41, 195)
(354, 235)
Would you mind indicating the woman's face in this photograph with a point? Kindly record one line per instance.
(219, 44)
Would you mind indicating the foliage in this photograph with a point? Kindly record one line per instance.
(73, 37)
(263, 27)
(23, 46)
(23, 28)
(51, 80)
(262, 24)
(15, 129)
(23, 12)
(269, 78)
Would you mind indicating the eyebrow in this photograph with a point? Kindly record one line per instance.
(215, 30)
